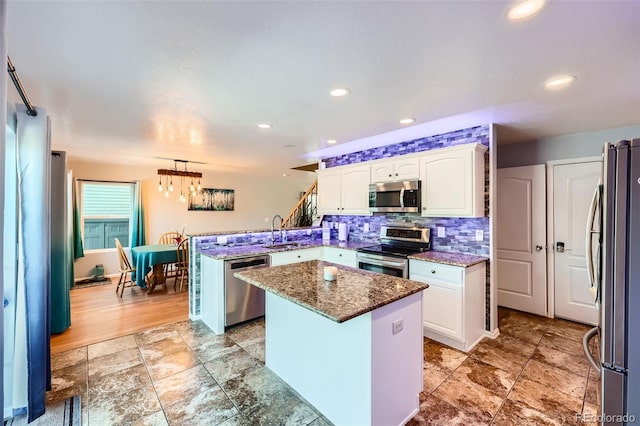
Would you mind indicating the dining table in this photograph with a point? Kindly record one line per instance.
(149, 261)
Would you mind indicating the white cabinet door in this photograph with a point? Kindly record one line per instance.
(295, 256)
(407, 169)
(329, 191)
(355, 190)
(340, 256)
(442, 309)
(395, 170)
(453, 182)
(443, 302)
(382, 172)
(453, 307)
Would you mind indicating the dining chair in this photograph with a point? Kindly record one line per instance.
(125, 268)
(182, 265)
(173, 237)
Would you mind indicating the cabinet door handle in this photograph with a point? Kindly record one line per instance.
(340, 255)
(424, 208)
(396, 174)
(538, 248)
(389, 175)
(298, 256)
(433, 271)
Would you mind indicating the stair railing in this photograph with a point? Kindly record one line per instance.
(306, 209)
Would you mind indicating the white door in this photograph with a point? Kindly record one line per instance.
(521, 236)
(573, 186)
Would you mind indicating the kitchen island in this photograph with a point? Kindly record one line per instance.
(352, 347)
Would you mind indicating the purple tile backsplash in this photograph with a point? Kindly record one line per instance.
(460, 233)
(479, 134)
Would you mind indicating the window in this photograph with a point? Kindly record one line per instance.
(106, 211)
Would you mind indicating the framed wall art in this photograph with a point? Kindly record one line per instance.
(212, 199)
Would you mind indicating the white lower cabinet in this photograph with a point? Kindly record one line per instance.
(340, 256)
(295, 256)
(453, 307)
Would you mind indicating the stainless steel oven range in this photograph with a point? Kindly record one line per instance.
(396, 244)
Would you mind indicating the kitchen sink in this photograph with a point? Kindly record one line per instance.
(291, 245)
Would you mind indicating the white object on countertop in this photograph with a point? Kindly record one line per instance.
(343, 232)
(330, 273)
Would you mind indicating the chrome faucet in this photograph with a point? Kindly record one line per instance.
(272, 226)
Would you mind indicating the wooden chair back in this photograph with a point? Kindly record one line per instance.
(170, 237)
(183, 254)
(125, 264)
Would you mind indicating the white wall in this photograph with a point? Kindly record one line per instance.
(256, 198)
(561, 147)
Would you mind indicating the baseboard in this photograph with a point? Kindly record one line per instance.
(492, 334)
(194, 317)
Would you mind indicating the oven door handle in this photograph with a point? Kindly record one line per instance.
(402, 198)
(378, 261)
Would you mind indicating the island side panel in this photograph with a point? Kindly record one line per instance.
(397, 361)
(212, 304)
(327, 363)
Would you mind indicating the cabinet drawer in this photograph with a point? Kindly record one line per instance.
(437, 271)
(340, 256)
(295, 256)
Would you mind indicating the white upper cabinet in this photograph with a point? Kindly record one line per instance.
(395, 170)
(344, 190)
(453, 181)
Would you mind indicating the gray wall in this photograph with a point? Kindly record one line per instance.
(561, 147)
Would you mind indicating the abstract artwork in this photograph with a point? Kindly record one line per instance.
(212, 199)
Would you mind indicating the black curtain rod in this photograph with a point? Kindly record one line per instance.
(16, 82)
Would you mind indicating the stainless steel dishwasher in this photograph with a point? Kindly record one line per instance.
(243, 301)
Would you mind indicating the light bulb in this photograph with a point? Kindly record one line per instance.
(171, 185)
(166, 194)
(199, 188)
(160, 187)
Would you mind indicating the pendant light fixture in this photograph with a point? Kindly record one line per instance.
(169, 173)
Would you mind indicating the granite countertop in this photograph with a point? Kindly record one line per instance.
(354, 293)
(449, 258)
(230, 252)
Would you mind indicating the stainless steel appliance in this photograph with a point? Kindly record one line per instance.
(242, 301)
(396, 244)
(402, 197)
(614, 268)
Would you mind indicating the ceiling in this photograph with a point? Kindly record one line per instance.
(130, 81)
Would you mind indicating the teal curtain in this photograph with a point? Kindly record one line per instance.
(137, 232)
(78, 249)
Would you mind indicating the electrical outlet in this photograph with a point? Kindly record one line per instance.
(479, 235)
(266, 220)
(398, 325)
(441, 231)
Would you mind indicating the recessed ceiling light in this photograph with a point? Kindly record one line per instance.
(332, 141)
(407, 120)
(284, 175)
(342, 91)
(264, 125)
(524, 9)
(559, 81)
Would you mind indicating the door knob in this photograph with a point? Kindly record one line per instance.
(560, 247)
(539, 247)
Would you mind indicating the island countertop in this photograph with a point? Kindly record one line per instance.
(355, 292)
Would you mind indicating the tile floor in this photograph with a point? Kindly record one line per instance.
(182, 373)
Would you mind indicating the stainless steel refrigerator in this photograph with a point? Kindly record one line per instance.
(616, 281)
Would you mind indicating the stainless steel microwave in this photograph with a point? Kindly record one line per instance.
(398, 197)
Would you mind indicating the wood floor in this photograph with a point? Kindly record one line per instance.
(98, 314)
